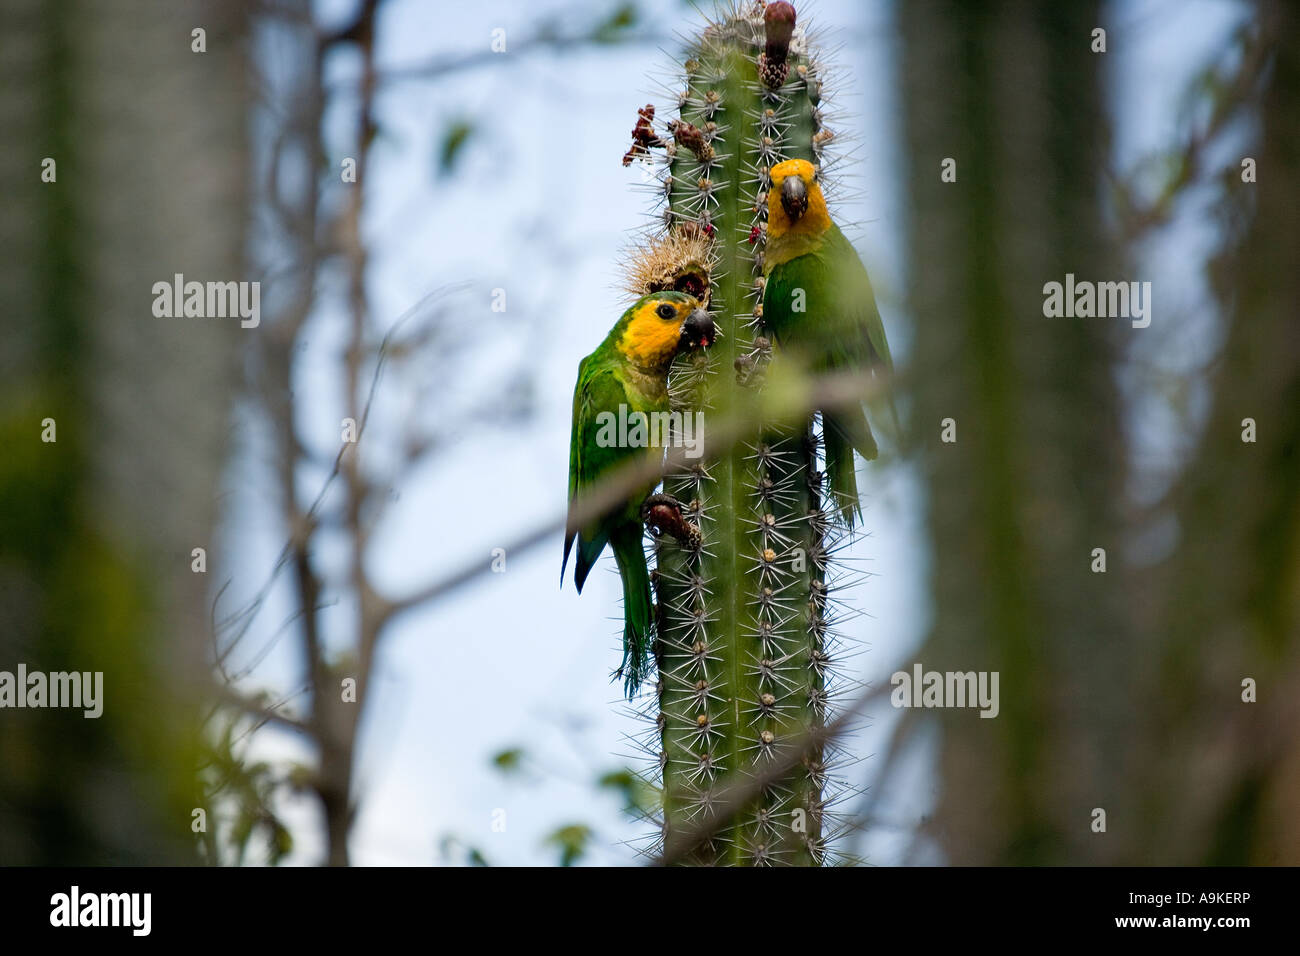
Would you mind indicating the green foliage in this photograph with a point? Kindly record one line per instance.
(509, 761)
(452, 850)
(454, 138)
(572, 842)
(616, 25)
(246, 790)
(640, 799)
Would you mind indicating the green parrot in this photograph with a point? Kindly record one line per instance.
(817, 301)
(626, 377)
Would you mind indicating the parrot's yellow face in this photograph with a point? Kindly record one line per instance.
(795, 205)
(662, 323)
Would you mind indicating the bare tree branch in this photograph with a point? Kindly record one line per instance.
(828, 392)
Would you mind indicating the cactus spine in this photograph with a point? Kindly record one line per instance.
(743, 629)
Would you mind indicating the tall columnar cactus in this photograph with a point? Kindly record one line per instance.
(744, 638)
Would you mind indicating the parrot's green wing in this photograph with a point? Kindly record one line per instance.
(857, 301)
(854, 298)
(600, 389)
(821, 304)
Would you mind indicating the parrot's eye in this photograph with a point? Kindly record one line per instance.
(666, 311)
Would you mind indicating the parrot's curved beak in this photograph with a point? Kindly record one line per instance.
(697, 330)
(794, 197)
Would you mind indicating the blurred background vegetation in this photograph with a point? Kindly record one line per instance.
(1120, 690)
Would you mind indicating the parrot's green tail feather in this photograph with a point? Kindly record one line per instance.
(638, 606)
(844, 431)
(588, 554)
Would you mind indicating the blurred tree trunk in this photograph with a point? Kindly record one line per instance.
(96, 529)
(1034, 481)
(1223, 779)
(1120, 691)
